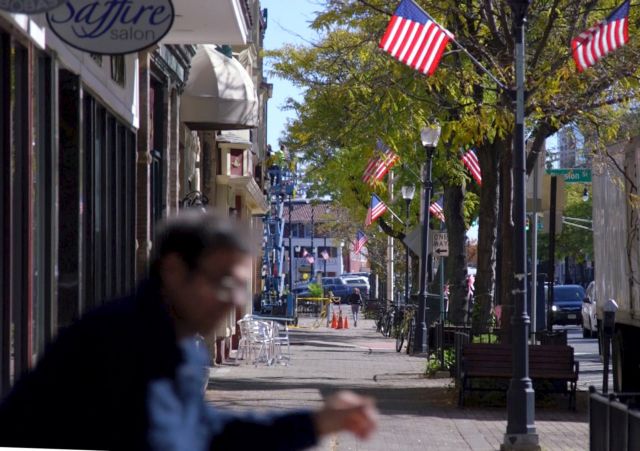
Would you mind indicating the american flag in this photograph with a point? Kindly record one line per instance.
(436, 209)
(379, 166)
(470, 160)
(361, 240)
(603, 38)
(325, 255)
(413, 38)
(376, 209)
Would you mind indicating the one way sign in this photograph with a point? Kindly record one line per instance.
(440, 244)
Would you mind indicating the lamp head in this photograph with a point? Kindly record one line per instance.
(519, 8)
(430, 135)
(408, 191)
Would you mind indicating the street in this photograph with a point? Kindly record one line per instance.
(416, 413)
(586, 352)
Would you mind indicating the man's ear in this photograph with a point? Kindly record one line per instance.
(173, 271)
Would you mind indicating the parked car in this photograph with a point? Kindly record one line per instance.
(357, 280)
(567, 304)
(299, 288)
(589, 320)
(337, 286)
(342, 289)
(356, 283)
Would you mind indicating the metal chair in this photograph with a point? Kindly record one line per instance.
(280, 339)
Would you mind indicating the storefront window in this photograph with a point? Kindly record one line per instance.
(110, 204)
(44, 206)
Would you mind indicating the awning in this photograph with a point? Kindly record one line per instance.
(203, 22)
(219, 94)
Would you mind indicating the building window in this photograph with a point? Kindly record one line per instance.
(331, 251)
(118, 69)
(236, 162)
(109, 204)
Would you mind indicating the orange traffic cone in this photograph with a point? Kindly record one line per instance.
(340, 321)
(346, 322)
(334, 321)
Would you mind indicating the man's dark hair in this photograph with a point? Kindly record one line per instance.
(193, 233)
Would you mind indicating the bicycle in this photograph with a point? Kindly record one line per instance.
(383, 324)
(411, 336)
(404, 328)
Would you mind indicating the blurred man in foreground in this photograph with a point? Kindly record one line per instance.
(129, 374)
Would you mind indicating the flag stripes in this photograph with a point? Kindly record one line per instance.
(361, 240)
(413, 38)
(377, 167)
(436, 210)
(601, 39)
(376, 209)
(470, 160)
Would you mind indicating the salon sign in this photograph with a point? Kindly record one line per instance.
(111, 27)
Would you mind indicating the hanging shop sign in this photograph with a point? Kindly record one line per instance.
(29, 6)
(111, 27)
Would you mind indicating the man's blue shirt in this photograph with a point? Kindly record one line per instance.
(119, 379)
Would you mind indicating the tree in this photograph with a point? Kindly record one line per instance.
(355, 93)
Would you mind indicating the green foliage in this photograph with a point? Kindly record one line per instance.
(315, 289)
(355, 93)
(485, 338)
(433, 366)
(433, 363)
(572, 241)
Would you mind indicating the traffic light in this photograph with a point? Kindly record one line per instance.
(527, 223)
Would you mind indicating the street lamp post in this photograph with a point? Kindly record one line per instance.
(407, 194)
(521, 431)
(429, 137)
(313, 250)
(290, 247)
(327, 211)
(324, 273)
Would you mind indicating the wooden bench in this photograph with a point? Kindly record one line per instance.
(554, 363)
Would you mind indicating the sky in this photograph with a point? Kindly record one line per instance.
(287, 23)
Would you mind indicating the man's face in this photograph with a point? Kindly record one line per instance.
(200, 298)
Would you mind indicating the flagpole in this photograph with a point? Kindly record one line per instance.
(395, 215)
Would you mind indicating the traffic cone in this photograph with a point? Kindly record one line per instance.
(340, 326)
(334, 321)
(346, 322)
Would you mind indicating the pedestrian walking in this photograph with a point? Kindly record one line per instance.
(129, 374)
(355, 299)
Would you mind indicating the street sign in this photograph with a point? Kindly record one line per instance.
(572, 175)
(440, 244)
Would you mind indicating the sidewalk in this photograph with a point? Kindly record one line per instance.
(416, 413)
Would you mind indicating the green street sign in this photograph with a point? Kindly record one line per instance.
(572, 175)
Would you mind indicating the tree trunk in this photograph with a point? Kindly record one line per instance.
(488, 157)
(457, 260)
(506, 238)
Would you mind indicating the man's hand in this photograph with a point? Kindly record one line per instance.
(347, 411)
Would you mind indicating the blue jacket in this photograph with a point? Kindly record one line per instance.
(118, 379)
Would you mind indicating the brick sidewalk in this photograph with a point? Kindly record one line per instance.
(416, 413)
